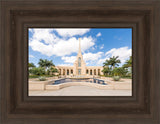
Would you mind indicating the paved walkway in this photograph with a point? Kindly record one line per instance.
(81, 91)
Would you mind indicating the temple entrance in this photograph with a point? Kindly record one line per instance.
(79, 71)
(67, 72)
(90, 72)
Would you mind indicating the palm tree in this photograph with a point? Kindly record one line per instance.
(106, 71)
(113, 61)
(45, 63)
(52, 70)
(119, 71)
(128, 63)
(31, 65)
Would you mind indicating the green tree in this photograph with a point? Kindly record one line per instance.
(106, 71)
(37, 71)
(128, 63)
(45, 63)
(52, 70)
(113, 62)
(31, 65)
(120, 71)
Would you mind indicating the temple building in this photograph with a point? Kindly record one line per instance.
(79, 67)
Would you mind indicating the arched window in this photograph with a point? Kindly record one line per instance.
(79, 62)
(87, 71)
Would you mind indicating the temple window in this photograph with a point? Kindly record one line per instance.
(79, 62)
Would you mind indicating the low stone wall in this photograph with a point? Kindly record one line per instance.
(38, 85)
(63, 85)
(46, 85)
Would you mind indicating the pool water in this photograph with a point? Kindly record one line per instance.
(88, 80)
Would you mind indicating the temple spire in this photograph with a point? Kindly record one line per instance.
(79, 52)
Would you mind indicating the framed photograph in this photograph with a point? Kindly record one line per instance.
(83, 62)
(63, 64)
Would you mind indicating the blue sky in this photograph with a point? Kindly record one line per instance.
(61, 45)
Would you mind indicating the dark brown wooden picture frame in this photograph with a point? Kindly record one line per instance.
(16, 107)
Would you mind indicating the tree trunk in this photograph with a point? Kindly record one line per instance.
(113, 66)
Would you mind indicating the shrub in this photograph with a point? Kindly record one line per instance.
(33, 76)
(116, 78)
(42, 78)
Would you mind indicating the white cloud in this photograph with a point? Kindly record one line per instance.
(101, 61)
(70, 59)
(41, 47)
(67, 47)
(69, 32)
(102, 46)
(64, 65)
(123, 52)
(45, 35)
(92, 56)
(99, 34)
(47, 43)
(31, 56)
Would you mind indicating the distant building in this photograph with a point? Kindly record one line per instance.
(79, 67)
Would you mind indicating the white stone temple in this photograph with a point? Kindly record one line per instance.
(79, 67)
